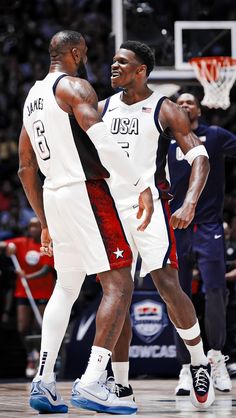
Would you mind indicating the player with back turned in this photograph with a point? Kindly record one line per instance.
(65, 137)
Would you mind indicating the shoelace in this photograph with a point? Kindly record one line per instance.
(219, 368)
(119, 389)
(201, 379)
(110, 384)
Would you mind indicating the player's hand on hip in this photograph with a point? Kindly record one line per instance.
(145, 204)
(46, 243)
(183, 216)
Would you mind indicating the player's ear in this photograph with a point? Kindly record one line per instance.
(142, 69)
(75, 54)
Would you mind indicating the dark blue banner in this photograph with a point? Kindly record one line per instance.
(152, 350)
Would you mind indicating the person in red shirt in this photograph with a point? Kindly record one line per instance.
(39, 271)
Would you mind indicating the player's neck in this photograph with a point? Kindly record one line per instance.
(59, 67)
(134, 95)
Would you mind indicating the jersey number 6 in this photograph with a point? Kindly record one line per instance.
(40, 140)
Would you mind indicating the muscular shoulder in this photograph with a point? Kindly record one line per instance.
(74, 89)
(170, 112)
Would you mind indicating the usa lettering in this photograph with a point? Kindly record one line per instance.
(124, 126)
(35, 105)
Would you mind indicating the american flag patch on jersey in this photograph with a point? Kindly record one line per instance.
(146, 109)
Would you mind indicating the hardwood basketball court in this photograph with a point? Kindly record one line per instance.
(154, 398)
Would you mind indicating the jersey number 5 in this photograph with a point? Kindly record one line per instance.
(40, 140)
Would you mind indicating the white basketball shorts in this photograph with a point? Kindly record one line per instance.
(156, 245)
(85, 228)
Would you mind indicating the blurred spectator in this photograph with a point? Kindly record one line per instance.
(15, 219)
(39, 271)
(6, 195)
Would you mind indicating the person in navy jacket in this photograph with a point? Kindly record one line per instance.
(202, 242)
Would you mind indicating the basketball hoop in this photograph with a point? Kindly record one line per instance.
(217, 76)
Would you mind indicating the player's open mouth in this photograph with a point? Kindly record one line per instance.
(115, 74)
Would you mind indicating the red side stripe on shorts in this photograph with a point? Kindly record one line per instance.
(117, 248)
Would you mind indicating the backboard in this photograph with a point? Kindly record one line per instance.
(203, 38)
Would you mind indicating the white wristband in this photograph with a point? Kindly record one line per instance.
(195, 152)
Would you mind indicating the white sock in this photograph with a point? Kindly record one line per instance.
(97, 364)
(46, 366)
(121, 372)
(197, 354)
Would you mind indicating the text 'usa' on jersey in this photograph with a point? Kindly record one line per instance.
(219, 143)
(64, 152)
(137, 130)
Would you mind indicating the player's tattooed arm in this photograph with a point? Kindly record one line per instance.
(77, 97)
(84, 105)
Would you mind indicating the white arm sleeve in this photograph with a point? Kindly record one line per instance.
(113, 157)
(195, 152)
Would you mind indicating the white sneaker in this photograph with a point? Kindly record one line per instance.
(45, 398)
(185, 381)
(98, 396)
(220, 375)
(125, 392)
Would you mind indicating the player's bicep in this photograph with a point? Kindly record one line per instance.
(179, 125)
(85, 104)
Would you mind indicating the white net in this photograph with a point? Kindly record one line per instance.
(217, 76)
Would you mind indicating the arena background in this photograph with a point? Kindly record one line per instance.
(25, 30)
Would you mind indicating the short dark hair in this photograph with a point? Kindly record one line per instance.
(143, 52)
(64, 40)
(195, 98)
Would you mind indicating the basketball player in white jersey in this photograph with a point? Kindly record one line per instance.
(64, 136)
(136, 117)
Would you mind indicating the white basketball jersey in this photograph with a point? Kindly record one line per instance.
(137, 129)
(64, 152)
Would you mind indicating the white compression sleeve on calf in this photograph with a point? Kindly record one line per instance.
(113, 157)
(195, 152)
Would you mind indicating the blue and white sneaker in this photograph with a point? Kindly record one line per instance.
(45, 398)
(100, 397)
